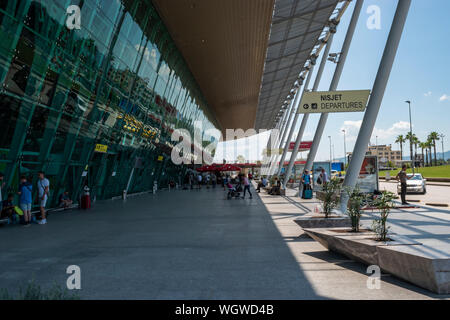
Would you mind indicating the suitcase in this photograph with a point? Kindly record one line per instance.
(85, 202)
(307, 194)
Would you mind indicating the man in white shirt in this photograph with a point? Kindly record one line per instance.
(43, 187)
(324, 176)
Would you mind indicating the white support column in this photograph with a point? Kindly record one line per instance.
(306, 115)
(334, 82)
(288, 120)
(275, 158)
(273, 140)
(379, 87)
(298, 98)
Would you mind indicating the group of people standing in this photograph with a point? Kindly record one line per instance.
(25, 193)
(306, 182)
(197, 180)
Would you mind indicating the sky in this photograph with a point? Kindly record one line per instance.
(420, 74)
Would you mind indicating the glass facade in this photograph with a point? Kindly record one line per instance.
(84, 104)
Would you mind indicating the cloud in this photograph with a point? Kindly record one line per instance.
(390, 133)
(427, 94)
(444, 97)
(352, 128)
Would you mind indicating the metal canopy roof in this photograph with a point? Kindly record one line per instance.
(224, 43)
(296, 28)
(245, 54)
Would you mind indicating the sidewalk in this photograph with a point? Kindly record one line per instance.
(188, 245)
(336, 276)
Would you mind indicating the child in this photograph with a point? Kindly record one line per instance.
(25, 192)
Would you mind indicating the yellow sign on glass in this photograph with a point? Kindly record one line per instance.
(160, 158)
(334, 101)
(101, 148)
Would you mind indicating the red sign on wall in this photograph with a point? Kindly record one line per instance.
(304, 146)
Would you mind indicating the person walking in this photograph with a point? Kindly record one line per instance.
(25, 199)
(44, 189)
(306, 182)
(403, 177)
(199, 180)
(246, 183)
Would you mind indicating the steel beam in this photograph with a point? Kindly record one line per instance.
(298, 98)
(379, 87)
(334, 82)
(306, 115)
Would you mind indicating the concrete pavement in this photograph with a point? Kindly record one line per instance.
(435, 193)
(335, 276)
(188, 245)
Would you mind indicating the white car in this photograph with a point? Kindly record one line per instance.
(334, 173)
(415, 184)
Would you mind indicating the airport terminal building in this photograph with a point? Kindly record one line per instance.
(88, 105)
(92, 90)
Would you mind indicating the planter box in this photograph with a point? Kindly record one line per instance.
(403, 257)
(421, 265)
(319, 221)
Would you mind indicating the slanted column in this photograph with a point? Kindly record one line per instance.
(306, 115)
(298, 98)
(274, 159)
(334, 82)
(379, 87)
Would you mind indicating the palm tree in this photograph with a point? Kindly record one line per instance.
(401, 140)
(415, 142)
(411, 143)
(429, 145)
(423, 146)
(434, 136)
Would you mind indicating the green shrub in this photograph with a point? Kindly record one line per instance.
(33, 291)
(330, 201)
(384, 203)
(356, 200)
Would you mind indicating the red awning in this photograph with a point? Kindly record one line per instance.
(207, 168)
(228, 167)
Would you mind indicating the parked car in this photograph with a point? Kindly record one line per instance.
(416, 184)
(334, 173)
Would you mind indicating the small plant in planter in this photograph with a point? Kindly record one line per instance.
(330, 201)
(356, 200)
(384, 203)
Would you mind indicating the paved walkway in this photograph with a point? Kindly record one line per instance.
(187, 245)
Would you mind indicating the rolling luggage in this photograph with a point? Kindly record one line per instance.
(307, 192)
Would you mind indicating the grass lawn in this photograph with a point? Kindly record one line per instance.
(427, 172)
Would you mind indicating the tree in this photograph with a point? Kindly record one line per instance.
(401, 140)
(416, 143)
(423, 146)
(240, 159)
(429, 145)
(411, 139)
(434, 136)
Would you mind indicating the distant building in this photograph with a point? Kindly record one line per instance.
(385, 155)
